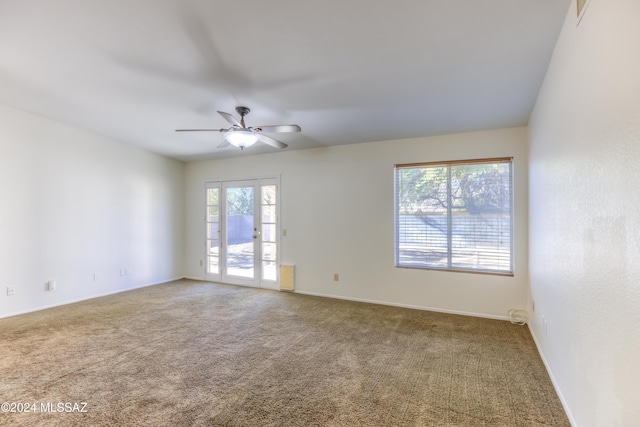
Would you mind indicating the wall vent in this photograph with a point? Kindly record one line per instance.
(286, 277)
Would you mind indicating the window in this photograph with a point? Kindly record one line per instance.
(455, 216)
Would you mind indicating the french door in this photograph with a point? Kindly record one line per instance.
(242, 232)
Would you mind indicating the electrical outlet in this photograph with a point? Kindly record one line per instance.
(201, 263)
(11, 290)
(545, 327)
(336, 277)
(95, 277)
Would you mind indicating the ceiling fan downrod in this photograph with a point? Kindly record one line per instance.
(243, 111)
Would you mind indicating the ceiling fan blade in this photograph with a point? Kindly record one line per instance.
(228, 117)
(224, 144)
(201, 130)
(272, 142)
(278, 128)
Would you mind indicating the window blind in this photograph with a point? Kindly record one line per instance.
(455, 215)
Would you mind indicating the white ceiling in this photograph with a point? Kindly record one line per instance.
(346, 71)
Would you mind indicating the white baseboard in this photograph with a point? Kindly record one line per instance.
(553, 379)
(372, 301)
(58, 304)
(198, 279)
(394, 304)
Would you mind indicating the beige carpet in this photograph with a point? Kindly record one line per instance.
(194, 353)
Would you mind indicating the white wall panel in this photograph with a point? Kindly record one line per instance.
(585, 215)
(73, 204)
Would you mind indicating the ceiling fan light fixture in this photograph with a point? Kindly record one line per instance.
(241, 138)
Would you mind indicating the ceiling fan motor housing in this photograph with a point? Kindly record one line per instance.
(243, 111)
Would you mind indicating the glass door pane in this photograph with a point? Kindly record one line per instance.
(268, 233)
(240, 231)
(213, 230)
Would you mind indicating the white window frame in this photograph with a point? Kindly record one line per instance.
(449, 248)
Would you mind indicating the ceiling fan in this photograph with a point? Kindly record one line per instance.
(241, 136)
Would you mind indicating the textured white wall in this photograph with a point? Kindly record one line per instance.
(585, 215)
(337, 207)
(73, 204)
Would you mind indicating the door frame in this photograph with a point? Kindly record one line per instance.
(222, 276)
